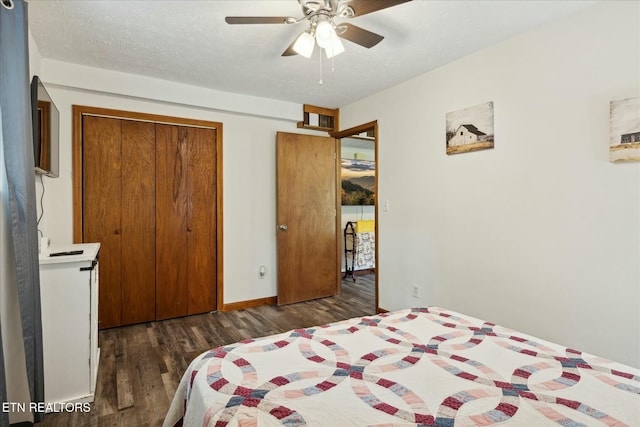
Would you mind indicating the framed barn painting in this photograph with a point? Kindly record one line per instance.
(470, 129)
(624, 145)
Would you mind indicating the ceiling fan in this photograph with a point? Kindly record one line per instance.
(322, 29)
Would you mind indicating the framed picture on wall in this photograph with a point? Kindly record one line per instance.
(358, 182)
(624, 144)
(470, 129)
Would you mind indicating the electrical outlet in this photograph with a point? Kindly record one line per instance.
(262, 271)
(416, 291)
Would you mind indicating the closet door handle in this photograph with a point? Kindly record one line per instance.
(283, 227)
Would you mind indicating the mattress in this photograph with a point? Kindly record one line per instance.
(422, 366)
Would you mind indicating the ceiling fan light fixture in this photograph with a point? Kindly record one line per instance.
(341, 29)
(310, 5)
(336, 48)
(325, 34)
(304, 44)
(346, 11)
(320, 15)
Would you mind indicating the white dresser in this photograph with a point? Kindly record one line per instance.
(69, 296)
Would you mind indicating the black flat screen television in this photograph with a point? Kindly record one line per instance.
(46, 130)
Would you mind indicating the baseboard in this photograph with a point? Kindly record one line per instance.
(241, 305)
(381, 310)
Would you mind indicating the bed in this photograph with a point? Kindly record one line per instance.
(421, 366)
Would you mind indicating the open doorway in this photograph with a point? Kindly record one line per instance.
(358, 210)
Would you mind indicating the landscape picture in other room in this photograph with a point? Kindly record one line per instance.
(625, 130)
(470, 129)
(358, 182)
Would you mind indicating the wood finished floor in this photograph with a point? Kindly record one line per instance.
(141, 365)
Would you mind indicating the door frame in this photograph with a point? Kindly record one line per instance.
(338, 135)
(78, 111)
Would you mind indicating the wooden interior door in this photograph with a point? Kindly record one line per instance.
(185, 221)
(138, 165)
(171, 221)
(119, 212)
(201, 223)
(306, 216)
(102, 209)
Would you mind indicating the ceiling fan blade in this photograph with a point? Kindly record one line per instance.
(360, 36)
(256, 19)
(289, 51)
(362, 7)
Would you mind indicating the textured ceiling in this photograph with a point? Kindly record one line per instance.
(189, 42)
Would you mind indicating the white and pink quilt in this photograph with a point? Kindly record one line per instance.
(423, 366)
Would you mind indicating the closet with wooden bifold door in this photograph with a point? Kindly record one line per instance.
(185, 221)
(149, 196)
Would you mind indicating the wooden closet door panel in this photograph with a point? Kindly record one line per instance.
(101, 209)
(202, 221)
(138, 222)
(171, 221)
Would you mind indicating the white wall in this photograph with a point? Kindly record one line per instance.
(248, 161)
(540, 234)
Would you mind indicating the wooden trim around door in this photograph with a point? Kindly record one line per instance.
(338, 205)
(76, 151)
(356, 130)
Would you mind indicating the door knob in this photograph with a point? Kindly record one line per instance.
(283, 227)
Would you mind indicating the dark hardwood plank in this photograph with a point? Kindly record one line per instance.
(124, 389)
(141, 365)
(107, 384)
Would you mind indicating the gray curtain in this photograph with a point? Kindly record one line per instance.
(15, 108)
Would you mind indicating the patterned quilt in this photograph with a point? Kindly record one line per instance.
(365, 250)
(425, 366)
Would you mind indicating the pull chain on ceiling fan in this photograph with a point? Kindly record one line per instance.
(322, 30)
